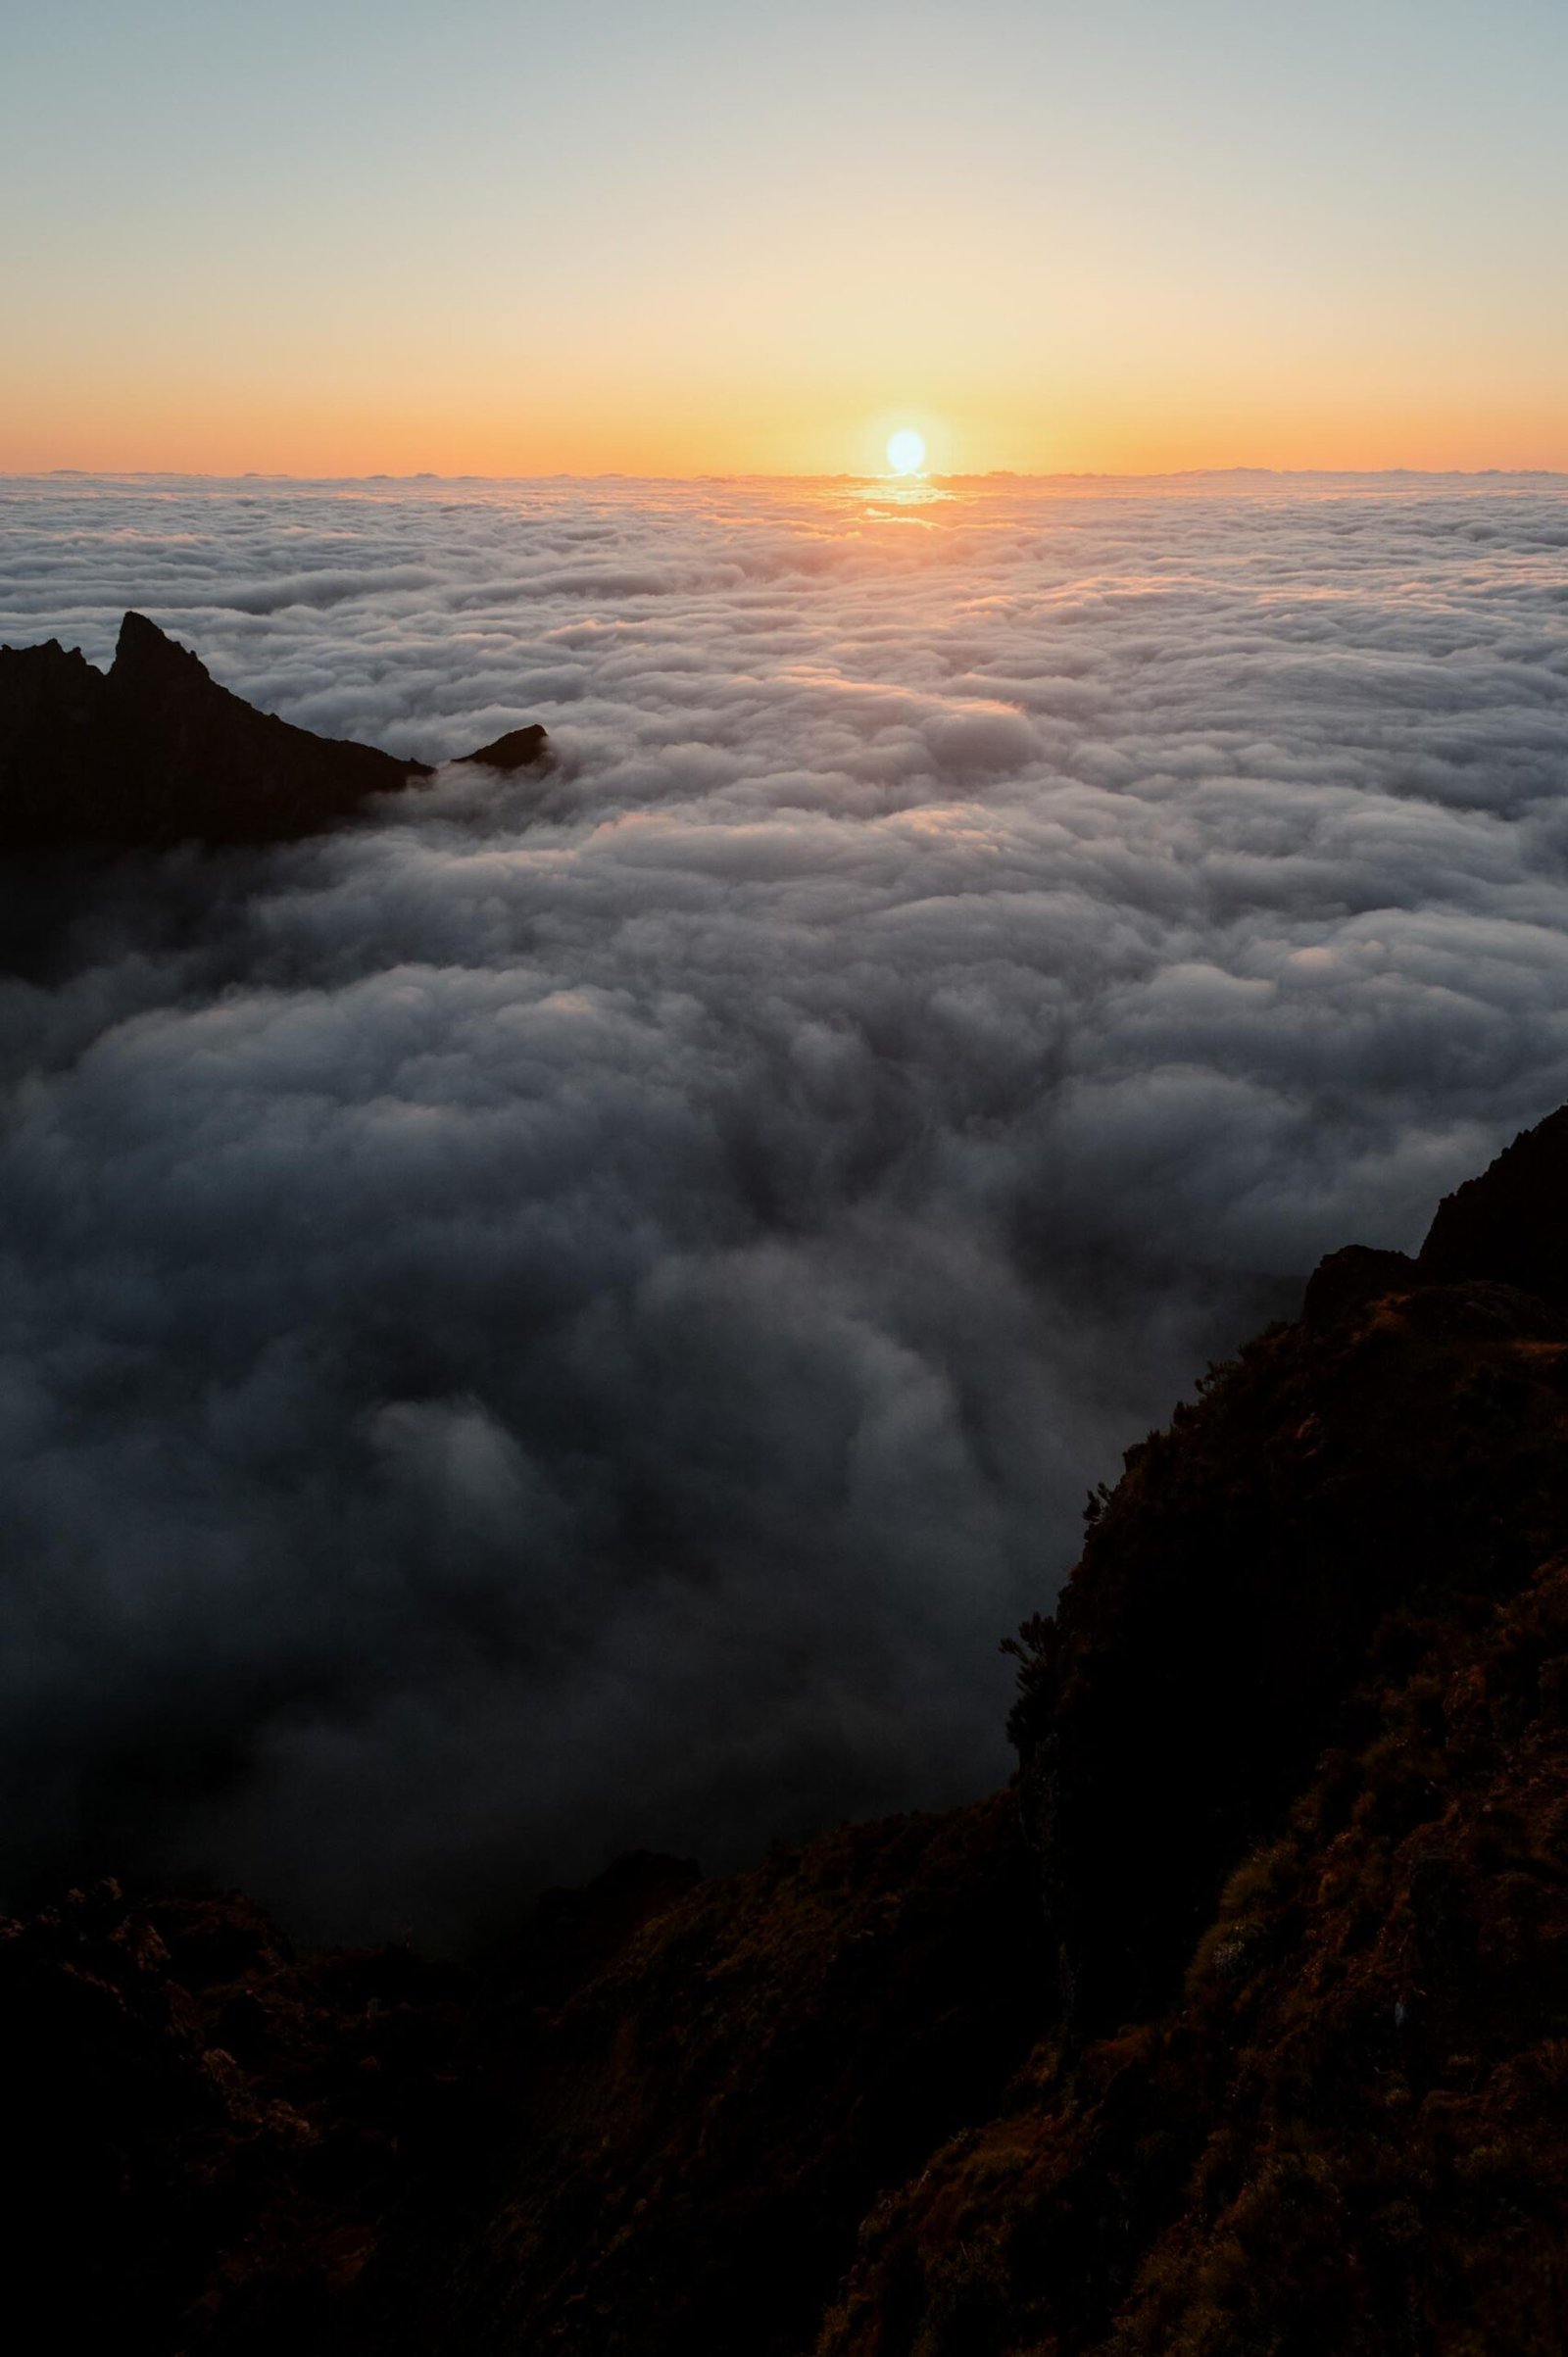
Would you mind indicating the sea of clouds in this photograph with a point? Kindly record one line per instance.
(574, 1313)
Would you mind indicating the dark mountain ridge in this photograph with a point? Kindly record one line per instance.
(154, 751)
(1239, 2025)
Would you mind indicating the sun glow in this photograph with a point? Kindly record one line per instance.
(906, 452)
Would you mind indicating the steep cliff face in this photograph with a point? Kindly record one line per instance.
(1398, 1455)
(703, 2127)
(1511, 1223)
(155, 751)
(1240, 2024)
(1295, 1773)
(1291, 2042)
(1346, 2129)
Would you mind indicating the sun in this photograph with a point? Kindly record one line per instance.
(906, 452)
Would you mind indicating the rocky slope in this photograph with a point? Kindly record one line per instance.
(155, 751)
(1241, 2024)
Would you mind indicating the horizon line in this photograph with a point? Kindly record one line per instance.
(994, 474)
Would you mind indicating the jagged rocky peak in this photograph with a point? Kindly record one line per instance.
(142, 647)
(1507, 1226)
(1511, 1223)
(155, 751)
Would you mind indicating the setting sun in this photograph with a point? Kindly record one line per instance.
(906, 452)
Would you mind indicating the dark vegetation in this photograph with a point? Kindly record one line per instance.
(1240, 2025)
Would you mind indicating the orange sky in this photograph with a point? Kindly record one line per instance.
(527, 240)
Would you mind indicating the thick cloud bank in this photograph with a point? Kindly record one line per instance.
(574, 1315)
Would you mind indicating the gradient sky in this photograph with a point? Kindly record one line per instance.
(680, 237)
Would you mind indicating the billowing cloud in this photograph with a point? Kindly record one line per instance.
(574, 1313)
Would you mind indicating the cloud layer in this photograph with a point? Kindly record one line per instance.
(574, 1315)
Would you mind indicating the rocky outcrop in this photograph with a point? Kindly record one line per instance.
(1509, 1223)
(225, 2134)
(1240, 2023)
(1397, 1451)
(154, 751)
(704, 2124)
(1295, 1771)
(518, 749)
(1345, 2126)
(1287, 2021)
(211, 2126)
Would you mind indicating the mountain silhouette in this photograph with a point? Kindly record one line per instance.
(154, 751)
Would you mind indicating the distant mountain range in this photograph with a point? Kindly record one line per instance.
(1239, 2024)
(154, 751)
